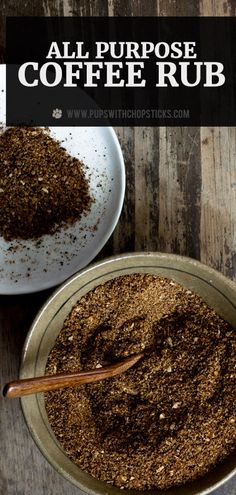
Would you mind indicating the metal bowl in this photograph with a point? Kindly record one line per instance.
(214, 288)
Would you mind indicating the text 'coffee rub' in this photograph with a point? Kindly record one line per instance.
(42, 187)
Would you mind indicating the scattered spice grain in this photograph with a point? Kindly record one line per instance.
(171, 417)
(42, 187)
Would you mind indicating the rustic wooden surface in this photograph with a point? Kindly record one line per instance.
(181, 197)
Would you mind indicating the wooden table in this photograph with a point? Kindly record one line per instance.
(181, 197)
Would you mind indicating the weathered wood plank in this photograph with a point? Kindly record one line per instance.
(218, 198)
(178, 8)
(146, 158)
(179, 172)
(146, 188)
(23, 469)
(217, 8)
(179, 183)
(124, 235)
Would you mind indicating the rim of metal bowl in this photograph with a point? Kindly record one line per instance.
(87, 278)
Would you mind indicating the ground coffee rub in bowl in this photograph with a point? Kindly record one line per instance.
(169, 418)
(169, 422)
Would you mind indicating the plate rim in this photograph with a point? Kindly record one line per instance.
(47, 285)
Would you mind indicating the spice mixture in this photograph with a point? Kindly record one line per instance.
(42, 187)
(171, 417)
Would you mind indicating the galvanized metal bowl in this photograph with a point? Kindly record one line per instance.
(215, 289)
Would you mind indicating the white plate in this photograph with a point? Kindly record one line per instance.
(27, 266)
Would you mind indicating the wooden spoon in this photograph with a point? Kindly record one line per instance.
(29, 386)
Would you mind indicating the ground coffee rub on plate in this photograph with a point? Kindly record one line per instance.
(169, 419)
(42, 187)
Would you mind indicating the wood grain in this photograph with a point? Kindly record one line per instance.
(179, 172)
(180, 197)
(218, 197)
(124, 238)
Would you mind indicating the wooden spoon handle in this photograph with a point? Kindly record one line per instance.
(29, 386)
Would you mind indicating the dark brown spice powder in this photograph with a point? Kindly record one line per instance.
(42, 187)
(169, 419)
